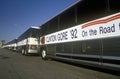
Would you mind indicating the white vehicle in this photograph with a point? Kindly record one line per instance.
(28, 42)
(12, 45)
(88, 33)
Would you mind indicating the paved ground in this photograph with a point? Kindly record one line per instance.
(16, 66)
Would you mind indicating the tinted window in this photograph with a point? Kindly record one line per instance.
(67, 19)
(44, 29)
(88, 10)
(34, 33)
(53, 25)
(114, 6)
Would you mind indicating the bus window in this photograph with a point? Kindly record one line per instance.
(88, 10)
(67, 19)
(53, 25)
(114, 6)
(44, 29)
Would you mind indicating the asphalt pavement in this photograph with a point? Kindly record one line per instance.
(16, 66)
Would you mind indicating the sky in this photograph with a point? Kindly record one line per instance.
(16, 16)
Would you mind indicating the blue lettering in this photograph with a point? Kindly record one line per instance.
(62, 36)
(119, 26)
(51, 38)
(84, 33)
(104, 30)
(73, 33)
(92, 32)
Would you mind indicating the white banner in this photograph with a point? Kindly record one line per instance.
(30, 40)
(101, 28)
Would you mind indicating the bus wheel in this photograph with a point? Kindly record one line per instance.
(23, 51)
(26, 53)
(44, 54)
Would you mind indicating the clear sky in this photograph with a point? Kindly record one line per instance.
(16, 16)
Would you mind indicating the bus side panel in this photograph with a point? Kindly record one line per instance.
(51, 49)
(111, 52)
(77, 47)
(92, 49)
(87, 52)
(81, 52)
(64, 50)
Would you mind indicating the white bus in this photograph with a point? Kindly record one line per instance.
(12, 45)
(88, 33)
(28, 42)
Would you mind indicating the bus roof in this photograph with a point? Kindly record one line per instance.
(31, 31)
(61, 12)
(35, 27)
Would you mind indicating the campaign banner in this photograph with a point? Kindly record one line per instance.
(101, 28)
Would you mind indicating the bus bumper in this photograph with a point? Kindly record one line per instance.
(32, 51)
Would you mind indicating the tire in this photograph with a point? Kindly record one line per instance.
(23, 51)
(26, 52)
(44, 54)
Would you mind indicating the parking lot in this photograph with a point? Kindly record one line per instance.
(16, 66)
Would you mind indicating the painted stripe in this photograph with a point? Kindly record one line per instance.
(101, 21)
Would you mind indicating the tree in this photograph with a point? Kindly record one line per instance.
(2, 42)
